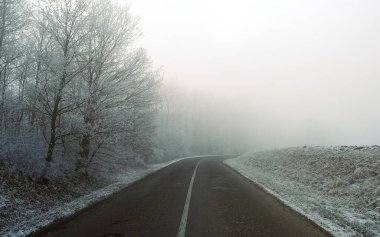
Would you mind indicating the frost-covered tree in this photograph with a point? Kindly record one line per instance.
(117, 84)
(73, 85)
(12, 22)
(65, 22)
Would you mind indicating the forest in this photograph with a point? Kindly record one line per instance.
(78, 93)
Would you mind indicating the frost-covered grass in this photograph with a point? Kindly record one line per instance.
(27, 207)
(3, 200)
(336, 187)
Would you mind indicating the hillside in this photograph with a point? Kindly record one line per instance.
(337, 187)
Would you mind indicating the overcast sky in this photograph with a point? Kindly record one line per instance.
(309, 69)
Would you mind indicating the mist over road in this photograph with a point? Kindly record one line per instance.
(193, 197)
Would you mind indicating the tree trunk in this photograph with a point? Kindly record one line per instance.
(53, 121)
(53, 127)
(85, 147)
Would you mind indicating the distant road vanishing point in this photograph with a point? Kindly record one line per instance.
(193, 197)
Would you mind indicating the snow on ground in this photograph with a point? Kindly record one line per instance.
(3, 201)
(26, 214)
(336, 187)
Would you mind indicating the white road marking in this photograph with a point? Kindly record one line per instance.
(185, 213)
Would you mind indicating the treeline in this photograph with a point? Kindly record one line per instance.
(76, 95)
(197, 122)
(73, 86)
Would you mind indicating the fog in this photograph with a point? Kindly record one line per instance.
(294, 72)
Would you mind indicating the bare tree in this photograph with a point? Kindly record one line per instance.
(71, 75)
(12, 21)
(116, 79)
(64, 21)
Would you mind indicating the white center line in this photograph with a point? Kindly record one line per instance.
(182, 226)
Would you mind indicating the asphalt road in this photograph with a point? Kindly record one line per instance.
(220, 203)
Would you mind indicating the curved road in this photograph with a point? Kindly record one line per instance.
(194, 197)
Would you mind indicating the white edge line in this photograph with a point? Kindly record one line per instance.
(182, 226)
(35, 224)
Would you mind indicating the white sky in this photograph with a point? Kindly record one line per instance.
(311, 68)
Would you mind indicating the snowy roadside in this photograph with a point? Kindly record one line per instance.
(336, 187)
(34, 223)
(3, 201)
